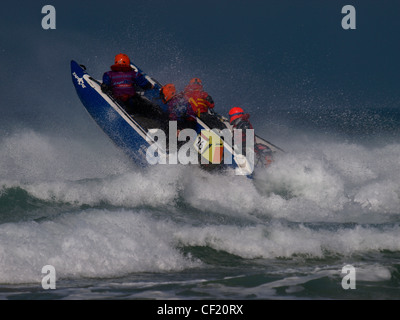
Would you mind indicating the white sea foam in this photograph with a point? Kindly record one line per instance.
(372, 273)
(134, 188)
(278, 240)
(88, 244)
(101, 243)
(319, 184)
(31, 156)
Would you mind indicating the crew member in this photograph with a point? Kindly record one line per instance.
(240, 121)
(200, 100)
(178, 107)
(121, 82)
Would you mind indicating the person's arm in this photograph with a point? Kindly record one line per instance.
(142, 82)
(172, 112)
(243, 125)
(210, 102)
(106, 85)
(189, 111)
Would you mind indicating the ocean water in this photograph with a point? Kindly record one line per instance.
(112, 230)
(70, 199)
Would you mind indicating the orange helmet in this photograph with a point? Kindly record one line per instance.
(122, 60)
(235, 113)
(194, 85)
(195, 81)
(168, 92)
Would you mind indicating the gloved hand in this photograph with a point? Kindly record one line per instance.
(105, 88)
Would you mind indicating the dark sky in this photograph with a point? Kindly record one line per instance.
(275, 53)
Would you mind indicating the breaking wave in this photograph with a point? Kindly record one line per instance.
(93, 214)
